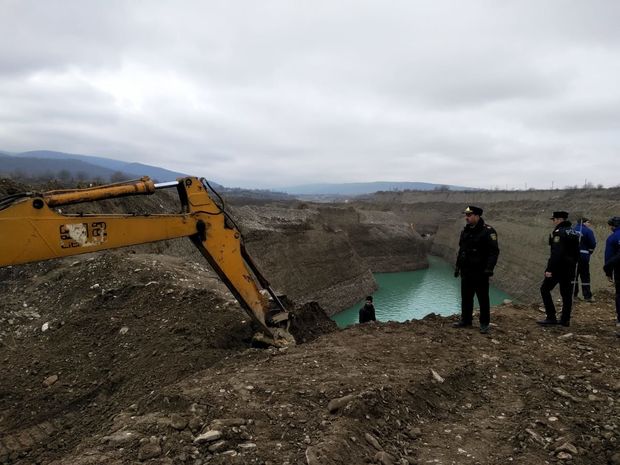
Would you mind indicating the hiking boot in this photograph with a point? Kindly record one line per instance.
(547, 322)
(590, 300)
(484, 329)
(461, 324)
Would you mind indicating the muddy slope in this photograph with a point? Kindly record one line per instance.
(83, 338)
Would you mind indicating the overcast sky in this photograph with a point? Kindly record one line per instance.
(273, 93)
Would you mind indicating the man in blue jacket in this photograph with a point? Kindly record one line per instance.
(587, 244)
(612, 260)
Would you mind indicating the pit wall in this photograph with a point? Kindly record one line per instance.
(328, 254)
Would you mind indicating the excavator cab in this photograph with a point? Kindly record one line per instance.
(32, 228)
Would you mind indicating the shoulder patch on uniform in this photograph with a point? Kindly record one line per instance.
(493, 236)
(556, 238)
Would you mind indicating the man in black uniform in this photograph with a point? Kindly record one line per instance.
(477, 257)
(561, 268)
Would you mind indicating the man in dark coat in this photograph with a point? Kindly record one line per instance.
(561, 269)
(475, 261)
(367, 312)
(612, 261)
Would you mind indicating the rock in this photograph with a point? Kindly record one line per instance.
(373, 441)
(45, 327)
(565, 456)
(123, 330)
(178, 422)
(149, 450)
(312, 456)
(567, 447)
(507, 301)
(615, 459)
(219, 423)
(25, 440)
(414, 433)
(535, 436)
(436, 376)
(563, 393)
(247, 445)
(384, 458)
(566, 336)
(217, 446)
(336, 404)
(50, 380)
(209, 436)
(120, 437)
(195, 424)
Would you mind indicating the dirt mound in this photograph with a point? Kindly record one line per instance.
(85, 337)
(309, 321)
(182, 386)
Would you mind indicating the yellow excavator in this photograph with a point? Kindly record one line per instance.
(32, 228)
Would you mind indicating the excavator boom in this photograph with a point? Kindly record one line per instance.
(33, 229)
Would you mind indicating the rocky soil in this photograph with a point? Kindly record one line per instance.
(136, 358)
(143, 356)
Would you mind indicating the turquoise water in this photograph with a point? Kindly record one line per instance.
(415, 294)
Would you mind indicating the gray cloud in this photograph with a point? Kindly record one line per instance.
(266, 94)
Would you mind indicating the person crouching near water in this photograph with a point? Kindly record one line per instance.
(367, 312)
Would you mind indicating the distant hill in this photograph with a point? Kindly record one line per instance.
(64, 169)
(361, 188)
(92, 166)
(69, 167)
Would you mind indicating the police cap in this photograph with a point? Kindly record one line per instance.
(473, 210)
(560, 214)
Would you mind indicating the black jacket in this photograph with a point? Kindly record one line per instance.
(564, 245)
(367, 313)
(478, 250)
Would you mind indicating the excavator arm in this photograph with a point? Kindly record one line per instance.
(32, 228)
